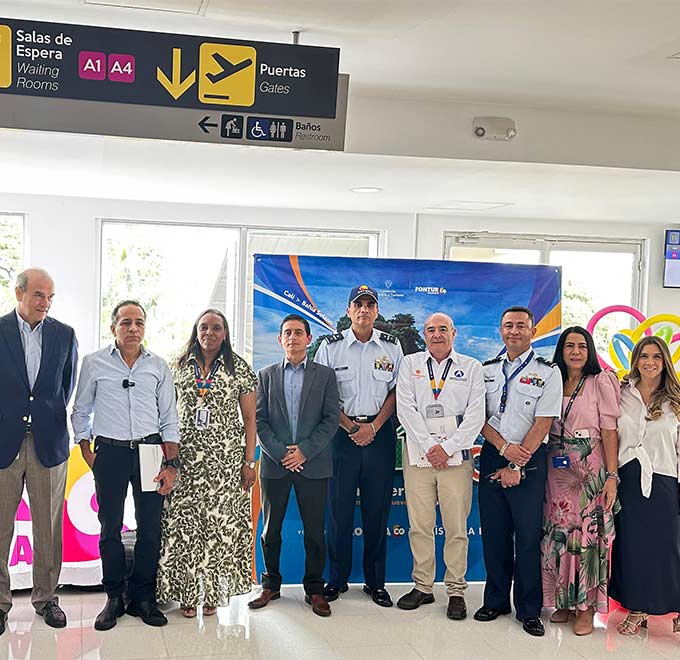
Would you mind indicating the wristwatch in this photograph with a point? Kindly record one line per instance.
(250, 464)
(514, 467)
(171, 462)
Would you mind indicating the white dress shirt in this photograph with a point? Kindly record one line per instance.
(535, 392)
(655, 444)
(461, 395)
(366, 372)
(31, 340)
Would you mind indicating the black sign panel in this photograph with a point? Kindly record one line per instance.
(158, 69)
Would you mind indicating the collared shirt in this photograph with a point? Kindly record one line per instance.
(293, 377)
(462, 395)
(534, 392)
(31, 340)
(366, 372)
(655, 444)
(124, 413)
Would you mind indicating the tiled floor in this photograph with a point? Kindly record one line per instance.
(357, 630)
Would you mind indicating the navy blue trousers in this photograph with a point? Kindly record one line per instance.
(511, 534)
(371, 470)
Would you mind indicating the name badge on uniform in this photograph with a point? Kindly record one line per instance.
(202, 419)
(434, 411)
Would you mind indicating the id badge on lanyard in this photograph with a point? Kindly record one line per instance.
(562, 462)
(202, 414)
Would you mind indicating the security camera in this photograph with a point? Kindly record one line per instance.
(494, 128)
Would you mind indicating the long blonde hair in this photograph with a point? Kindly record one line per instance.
(669, 388)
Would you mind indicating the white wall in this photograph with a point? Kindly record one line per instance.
(62, 237)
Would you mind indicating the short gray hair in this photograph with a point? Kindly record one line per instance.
(446, 316)
(24, 275)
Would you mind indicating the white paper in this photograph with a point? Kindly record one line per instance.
(439, 428)
(150, 459)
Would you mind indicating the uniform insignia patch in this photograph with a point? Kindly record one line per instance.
(333, 338)
(390, 338)
(498, 359)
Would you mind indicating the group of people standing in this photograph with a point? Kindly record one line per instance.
(574, 469)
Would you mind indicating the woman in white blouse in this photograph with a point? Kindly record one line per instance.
(646, 555)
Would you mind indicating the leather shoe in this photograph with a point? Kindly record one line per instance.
(319, 604)
(263, 599)
(3, 621)
(485, 613)
(532, 625)
(54, 616)
(108, 617)
(414, 599)
(379, 596)
(148, 612)
(456, 609)
(331, 592)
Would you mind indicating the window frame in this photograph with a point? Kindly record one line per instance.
(21, 217)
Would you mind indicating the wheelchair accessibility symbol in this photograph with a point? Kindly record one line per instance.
(269, 129)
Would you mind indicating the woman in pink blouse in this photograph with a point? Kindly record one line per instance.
(646, 558)
(578, 525)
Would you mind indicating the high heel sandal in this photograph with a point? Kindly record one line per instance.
(209, 610)
(676, 624)
(632, 623)
(188, 611)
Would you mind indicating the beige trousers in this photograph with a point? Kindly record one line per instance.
(45, 488)
(452, 488)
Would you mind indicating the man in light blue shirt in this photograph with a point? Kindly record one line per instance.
(130, 392)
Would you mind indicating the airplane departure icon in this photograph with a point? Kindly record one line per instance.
(228, 68)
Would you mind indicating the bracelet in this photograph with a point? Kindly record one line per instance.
(613, 475)
(503, 449)
(374, 431)
(250, 464)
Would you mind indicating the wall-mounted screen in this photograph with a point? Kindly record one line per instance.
(671, 271)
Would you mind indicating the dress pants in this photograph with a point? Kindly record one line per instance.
(452, 488)
(371, 469)
(45, 488)
(511, 533)
(311, 500)
(114, 468)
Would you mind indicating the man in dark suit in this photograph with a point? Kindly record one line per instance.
(297, 416)
(38, 360)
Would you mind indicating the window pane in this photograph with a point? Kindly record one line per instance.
(330, 244)
(494, 255)
(175, 271)
(11, 258)
(592, 281)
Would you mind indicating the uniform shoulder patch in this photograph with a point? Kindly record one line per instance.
(542, 360)
(331, 339)
(390, 338)
(497, 359)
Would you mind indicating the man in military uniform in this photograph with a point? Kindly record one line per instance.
(523, 394)
(366, 363)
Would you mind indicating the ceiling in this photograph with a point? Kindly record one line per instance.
(609, 55)
(605, 54)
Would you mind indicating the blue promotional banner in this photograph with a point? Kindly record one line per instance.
(409, 290)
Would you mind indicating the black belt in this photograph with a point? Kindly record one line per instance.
(153, 439)
(362, 419)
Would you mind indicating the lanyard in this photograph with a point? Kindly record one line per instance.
(204, 384)
(437, 389)
(504, 395)
(567, 410)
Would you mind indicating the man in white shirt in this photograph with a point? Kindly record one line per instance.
(440, 404)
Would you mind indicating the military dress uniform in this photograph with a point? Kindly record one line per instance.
(517, 393)
(366, 372)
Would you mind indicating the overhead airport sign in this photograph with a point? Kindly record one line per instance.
(108, 81)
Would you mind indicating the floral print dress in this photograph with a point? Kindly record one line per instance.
(206, 538)
(577, 531)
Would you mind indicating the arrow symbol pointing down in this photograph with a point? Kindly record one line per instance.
(176, 87)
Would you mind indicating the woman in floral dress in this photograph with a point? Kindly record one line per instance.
(578, 522)
(206, 546)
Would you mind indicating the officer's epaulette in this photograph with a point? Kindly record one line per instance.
(331, 339)
(542, 360)
(385, 337)
(496, 359)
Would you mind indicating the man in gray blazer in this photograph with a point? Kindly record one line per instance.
(297, 416)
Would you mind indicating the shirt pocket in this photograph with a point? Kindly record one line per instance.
(346, 383)
(528, 396)
(383, 375)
